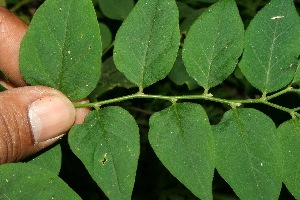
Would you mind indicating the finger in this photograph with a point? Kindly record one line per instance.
(32, 118)
(12, 30)
(81, 113)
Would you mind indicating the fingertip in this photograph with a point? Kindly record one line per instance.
(81, 113)
(50, 117)
(32, 118)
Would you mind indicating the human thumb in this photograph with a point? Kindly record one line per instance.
(32, 118)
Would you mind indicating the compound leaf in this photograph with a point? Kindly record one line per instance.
(116, 9)
(108, 145)
(248, 154)
(289, 134)
(62, 48)
(182, 138)
(146, 44)
(272, 46)
(214, 43)
(27, 181)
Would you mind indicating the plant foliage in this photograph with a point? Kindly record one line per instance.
(62, 49)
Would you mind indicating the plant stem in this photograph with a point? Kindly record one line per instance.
(169, 98)
(288, 89)
(108, 48)
(18, 5)
(233, 103)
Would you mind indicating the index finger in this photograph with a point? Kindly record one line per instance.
(12, 30)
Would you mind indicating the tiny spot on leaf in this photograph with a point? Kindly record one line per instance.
(277, 17)
(103, 161)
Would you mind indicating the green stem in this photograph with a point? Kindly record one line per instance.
(108, 48)
(233, 103)
(168, 98)
(295, 90)
(288, 89)
(18, 5)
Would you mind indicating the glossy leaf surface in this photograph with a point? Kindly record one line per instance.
(182, 139)
(146, 44)
(116, 9)
(27, 181)
(108, 145)
(272, 46)
(214, 43)
(62, 48)
(248, 154)
(289, 135)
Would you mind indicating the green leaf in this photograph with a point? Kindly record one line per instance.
(214, 43)
(190, 19)
(106, 36)
(182, 138)
(146, 44)
(207, 1)
(49, 159)
(27, 181)
(2, 88)
(184, 9)
(110, 78)
(179, 76)
(289, 134)
(62, 48)
(272, 46)
(116, 9)
(108, 145)
(248, 154)
(297, 74)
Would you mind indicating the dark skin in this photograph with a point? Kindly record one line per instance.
(31, 117)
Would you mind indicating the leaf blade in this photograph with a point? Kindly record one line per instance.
(181, 137)
(146, 44)
(289, 138)
(248, 154)
(272, 46)
(115, 9)
(108, 145)
(211, 49)
(63, 51)
(50, 159)
(27, 181)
